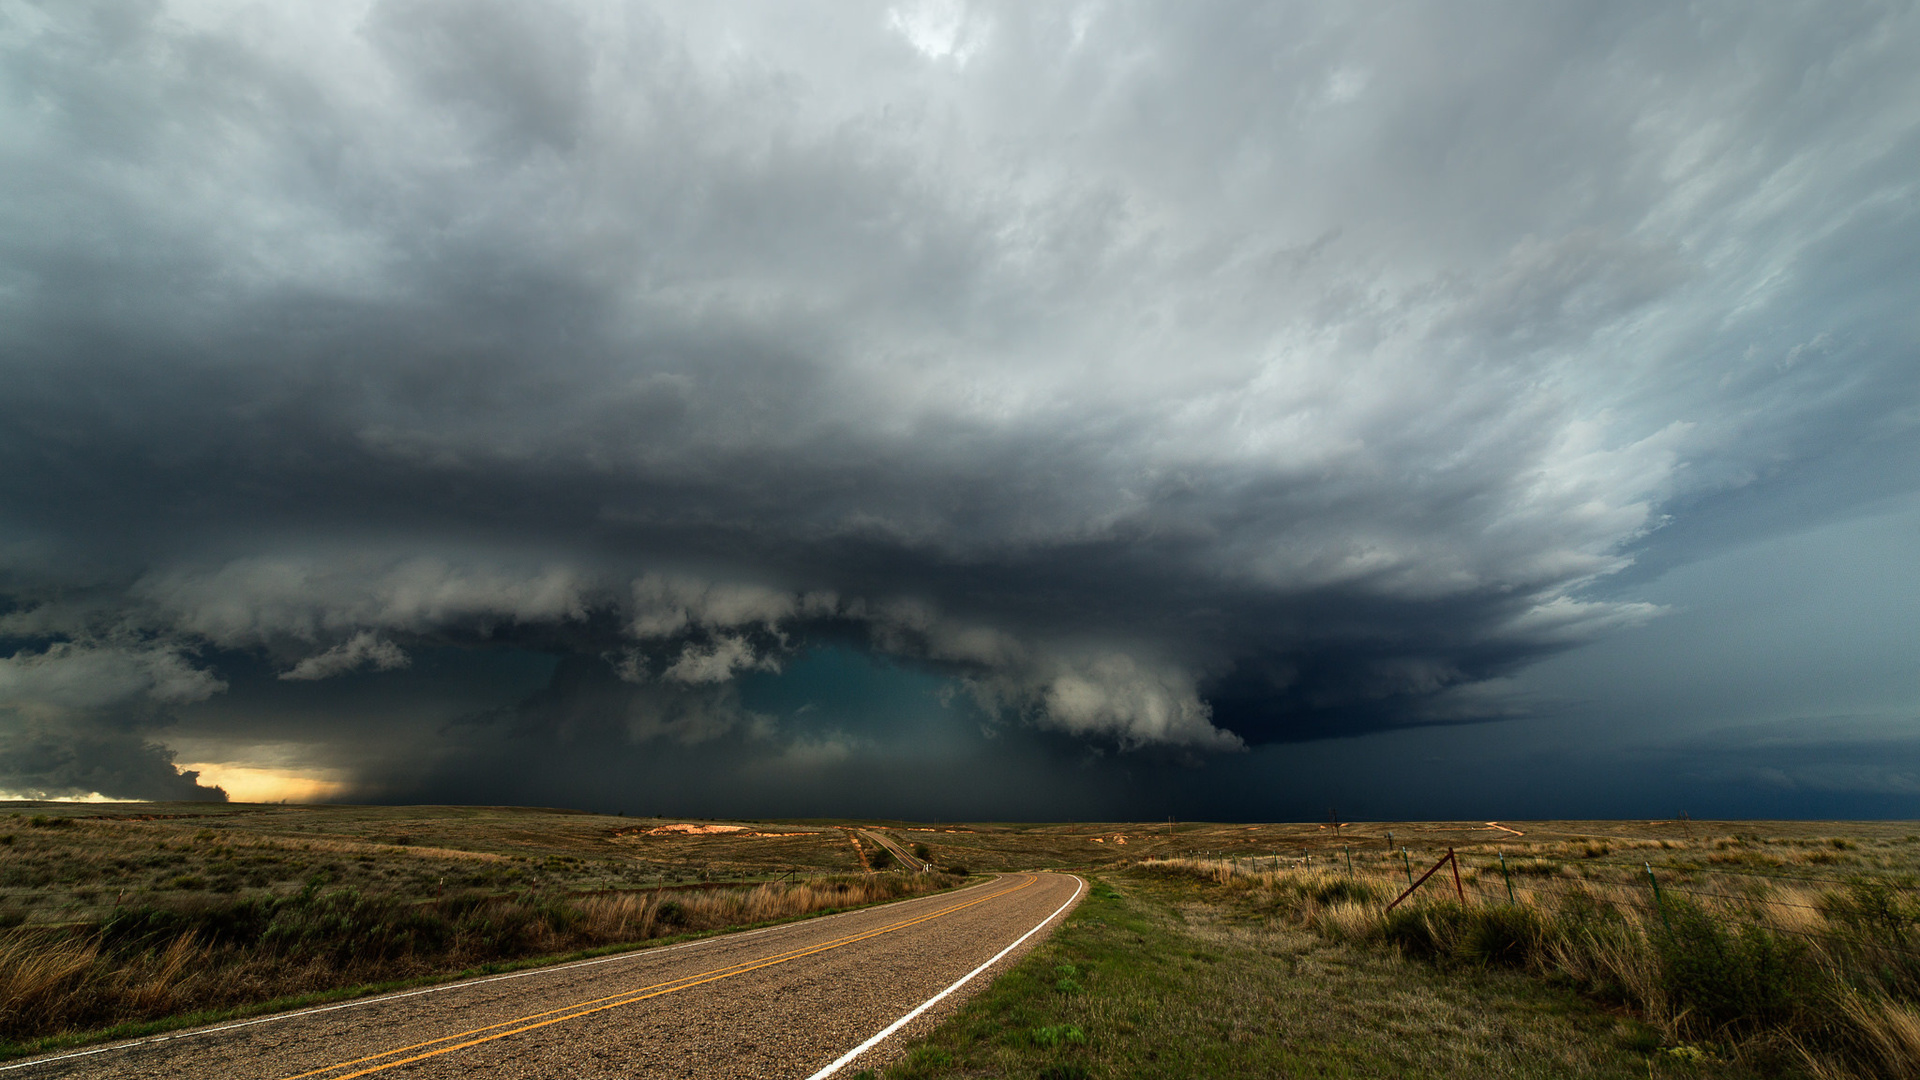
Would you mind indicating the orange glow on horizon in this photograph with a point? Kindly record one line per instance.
(251, 783)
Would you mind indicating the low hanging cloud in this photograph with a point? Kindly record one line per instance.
(70, 675)
(362, 650)
(1163, 377)
(80, 718)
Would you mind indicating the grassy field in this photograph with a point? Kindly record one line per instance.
(1207, 948)
(73, 863)
(1155, 977)
(115, 919)
(1621, 949)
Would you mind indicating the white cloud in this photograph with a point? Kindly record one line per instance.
(1117, 697)
(262, 600)
(364, 649)
(718, 661)
(84, 676)
(665, 605)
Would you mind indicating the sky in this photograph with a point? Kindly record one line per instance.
(950, 410)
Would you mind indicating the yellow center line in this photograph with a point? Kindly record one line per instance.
(629, 997)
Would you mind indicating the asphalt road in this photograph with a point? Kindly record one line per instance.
(787, 1001)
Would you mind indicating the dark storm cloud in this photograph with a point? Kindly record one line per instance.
(1168, 376)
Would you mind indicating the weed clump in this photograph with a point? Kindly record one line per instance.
(1727, 977)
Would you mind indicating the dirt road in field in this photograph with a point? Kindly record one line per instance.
(899, 852)
(787, 1001)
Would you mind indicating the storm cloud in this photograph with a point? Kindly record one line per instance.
(1162, 381)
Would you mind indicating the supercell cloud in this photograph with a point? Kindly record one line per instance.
(1158, 383)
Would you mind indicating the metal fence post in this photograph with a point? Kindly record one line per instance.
(1349, 852)
(1408, 863)
(1507, 876)
(1658, 903)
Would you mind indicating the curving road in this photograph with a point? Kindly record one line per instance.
(806, 999)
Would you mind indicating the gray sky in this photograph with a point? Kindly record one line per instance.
(963, 409)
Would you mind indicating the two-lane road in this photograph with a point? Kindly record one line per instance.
(787, 1001)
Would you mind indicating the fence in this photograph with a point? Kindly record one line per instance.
(1863, 924)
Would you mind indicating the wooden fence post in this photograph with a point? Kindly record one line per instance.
(1444, 860)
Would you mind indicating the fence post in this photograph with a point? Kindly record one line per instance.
(1408, 863)
(1389, 840)
(1509, 877)
(1349, 852)
(1444, 860)
(1454, 864)
(1659, 904)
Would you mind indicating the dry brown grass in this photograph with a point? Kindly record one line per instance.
(154, 963)
(1828, 970)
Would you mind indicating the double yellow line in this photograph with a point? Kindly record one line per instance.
(476, 1036)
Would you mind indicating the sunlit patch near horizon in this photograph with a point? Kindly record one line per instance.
(35, 796)
(254, 783)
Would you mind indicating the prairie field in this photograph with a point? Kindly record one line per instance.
(117, 918)
(1596, 948)
(1599, 949)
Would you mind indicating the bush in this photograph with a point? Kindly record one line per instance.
(1334, 890)
(1508, 935)
(1722, 976)
(880, 858)
(1419, 931)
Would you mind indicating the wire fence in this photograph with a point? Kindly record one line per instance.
(1826, 962)
(1875, 911)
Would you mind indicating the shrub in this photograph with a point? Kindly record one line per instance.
(1729, 977)
(1504, 934)
(1336, 890)
(1418, 931)
(1508, 935)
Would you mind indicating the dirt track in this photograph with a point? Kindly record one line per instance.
(779, 1002)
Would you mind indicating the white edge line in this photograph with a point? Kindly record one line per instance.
(462, 984)
(843, 1060)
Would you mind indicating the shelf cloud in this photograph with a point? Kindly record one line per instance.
(1168, 379)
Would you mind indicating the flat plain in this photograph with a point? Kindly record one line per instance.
(119, 919)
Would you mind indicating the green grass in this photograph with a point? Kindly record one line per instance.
(1156, 978)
